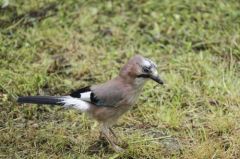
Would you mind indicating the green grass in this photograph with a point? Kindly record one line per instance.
(51, 47)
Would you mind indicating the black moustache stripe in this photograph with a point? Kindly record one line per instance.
(143, 76)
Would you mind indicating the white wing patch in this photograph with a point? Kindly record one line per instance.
(76, 103)
(86, 96)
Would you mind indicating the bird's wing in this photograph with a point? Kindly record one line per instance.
(82, 93)
(108, 94)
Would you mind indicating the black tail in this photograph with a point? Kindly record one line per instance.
(40, 100)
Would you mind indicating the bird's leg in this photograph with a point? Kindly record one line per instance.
(105, 132)
(115, 136)
(118, 139)
(113, 133)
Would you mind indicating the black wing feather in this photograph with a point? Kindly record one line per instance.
(93, 97)
(77, 93)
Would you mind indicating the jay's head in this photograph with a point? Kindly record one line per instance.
(139, 67)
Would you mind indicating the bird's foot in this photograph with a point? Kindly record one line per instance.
(114, 144)
(117, 148)
(124, 144)
(121, 143)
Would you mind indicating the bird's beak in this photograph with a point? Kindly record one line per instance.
(157, 79)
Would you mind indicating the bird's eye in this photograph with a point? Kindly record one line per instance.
(146, 69)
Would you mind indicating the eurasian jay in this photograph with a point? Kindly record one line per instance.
(108, 101)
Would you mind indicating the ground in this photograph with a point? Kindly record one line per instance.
(49, 47)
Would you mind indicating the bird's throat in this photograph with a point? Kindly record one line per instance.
(139, 82)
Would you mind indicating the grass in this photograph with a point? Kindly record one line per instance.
(49, 47)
